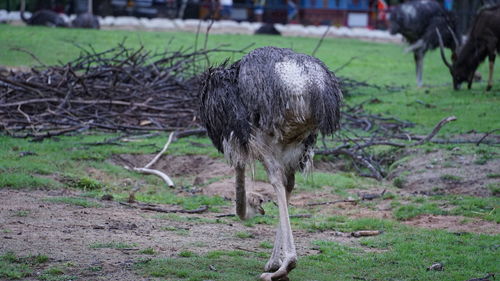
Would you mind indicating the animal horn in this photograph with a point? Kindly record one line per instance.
(441, 48)
(455, 39)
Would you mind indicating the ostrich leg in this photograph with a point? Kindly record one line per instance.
(241, 201)
(419, 63)
(284, 238)
(274, 262)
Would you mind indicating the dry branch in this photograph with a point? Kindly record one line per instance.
(155, 208)
(120, 89)
(362, 233)
(133, 90)
(147, 170)
(333, 202)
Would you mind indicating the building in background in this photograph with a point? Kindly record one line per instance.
(352, 13)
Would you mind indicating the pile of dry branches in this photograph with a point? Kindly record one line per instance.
(118, 89)
(122, 89)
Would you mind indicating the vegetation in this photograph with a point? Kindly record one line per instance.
(112, 245)
(400, 253)
(18, 267)
(411, 250)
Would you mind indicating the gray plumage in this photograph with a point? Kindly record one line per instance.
(42, 17)
(250, 95)
(270, 106)
(86, 20)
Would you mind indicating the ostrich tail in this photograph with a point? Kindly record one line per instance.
(327, 105)
(223, 112)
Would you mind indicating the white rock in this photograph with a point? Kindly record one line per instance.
(127, 21)
(179, 23)
(15, 15)
(107, 21)
(3, 15)
(159, 23)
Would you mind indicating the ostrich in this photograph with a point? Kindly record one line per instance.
(270, 106)
(42, 17)
(86, 20)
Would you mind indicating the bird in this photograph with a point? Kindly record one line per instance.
(43, 17)
(270, 106)
(87, 19)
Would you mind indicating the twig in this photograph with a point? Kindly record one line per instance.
(29, 53)
(162, 175)
(225, 216)
(161, 210)
(485, 136)
(435, 130)
(187, 133)
(152, 162)
(332, 202)
(321, 40)
(246, 250)
(366, 233)
(345, 64)
(300, 216)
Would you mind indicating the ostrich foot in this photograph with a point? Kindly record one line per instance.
(282, 273)
(272, 265)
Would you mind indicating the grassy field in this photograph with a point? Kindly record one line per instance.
(376, 63)
(80, 173)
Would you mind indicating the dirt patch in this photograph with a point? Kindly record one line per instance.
(457, 224)
(447, 172)
(200, 167)
(69, 233)
(225, 188)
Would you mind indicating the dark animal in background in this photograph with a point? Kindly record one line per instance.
(483, 41)
(417, 21)
(43, 17)
(86, 20)
(267, 28)
(270, 106)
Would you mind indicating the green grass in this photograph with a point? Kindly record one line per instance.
(411, 210)
(13, 266)
(474, 109)
(112, 245)
(494, 188)
(73, 169)
(148, 251)
(22, 213)
(400, 253)
(84, 183)
(486, 208)
(243, 235)
(82, 202)
(187, 254)
(344, 224)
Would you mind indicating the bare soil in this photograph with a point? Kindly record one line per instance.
(456, 224)
(66, 233)
(448, 172)
(32, 225)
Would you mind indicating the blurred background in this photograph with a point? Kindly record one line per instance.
(352, 13)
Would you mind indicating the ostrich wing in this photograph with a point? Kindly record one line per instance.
(224, 115)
